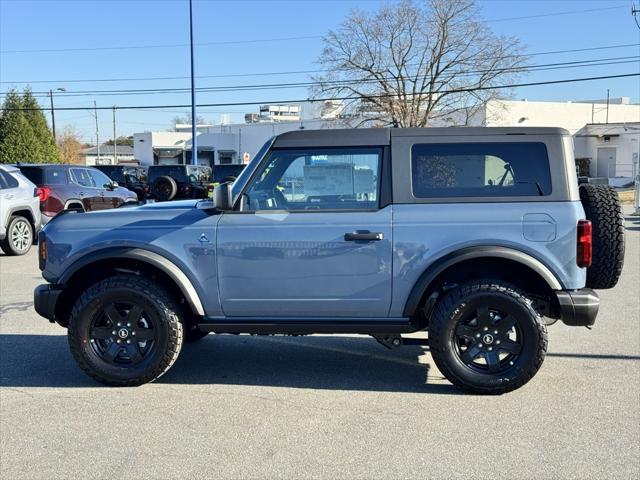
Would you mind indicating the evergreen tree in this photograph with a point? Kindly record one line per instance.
(17, 140)
(47, 151)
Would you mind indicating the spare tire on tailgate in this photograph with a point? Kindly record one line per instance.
(165, 188)
(602, 207)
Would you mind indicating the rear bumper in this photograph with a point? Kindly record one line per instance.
(578, 308)
(45, 298)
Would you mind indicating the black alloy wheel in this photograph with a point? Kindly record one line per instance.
(122, 334)
(485, 337)
(126, 330)
(488, 340)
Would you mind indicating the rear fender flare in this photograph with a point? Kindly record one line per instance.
(436, 268)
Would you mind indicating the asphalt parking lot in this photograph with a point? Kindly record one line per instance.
(319, 407)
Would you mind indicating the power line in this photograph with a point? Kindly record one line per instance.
(266, 40)
(336, 83)
(231, 104)
(294, 72)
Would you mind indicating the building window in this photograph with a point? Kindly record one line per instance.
(225, 158)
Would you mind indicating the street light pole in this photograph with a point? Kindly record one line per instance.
(194, 139)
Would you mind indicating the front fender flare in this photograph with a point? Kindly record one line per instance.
(440, 265)
(168, 267)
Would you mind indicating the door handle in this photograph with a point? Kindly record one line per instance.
(363, 236)
(8, 196)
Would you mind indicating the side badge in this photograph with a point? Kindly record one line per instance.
(203, 238)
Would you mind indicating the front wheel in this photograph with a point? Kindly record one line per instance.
(125, 331)
(19, 236)
(486, 338)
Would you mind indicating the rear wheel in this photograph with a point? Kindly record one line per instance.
(125, 331)
(19, 236)
(486, 338)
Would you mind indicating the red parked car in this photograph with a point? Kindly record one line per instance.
(74, 187)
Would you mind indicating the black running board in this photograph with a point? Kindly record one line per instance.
(295, 326)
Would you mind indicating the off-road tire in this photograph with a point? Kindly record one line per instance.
(453, 306)
(602, 207)
(167, 193)
(17, 221)
(156, 301)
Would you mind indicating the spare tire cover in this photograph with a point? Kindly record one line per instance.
(165, 188)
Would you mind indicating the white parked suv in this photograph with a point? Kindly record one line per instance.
(19, 211)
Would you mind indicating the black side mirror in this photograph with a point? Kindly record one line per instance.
(223, 197)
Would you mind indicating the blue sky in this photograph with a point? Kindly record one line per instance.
(70, 25)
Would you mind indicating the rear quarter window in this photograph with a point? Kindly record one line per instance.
(480, 169)
(45, 176)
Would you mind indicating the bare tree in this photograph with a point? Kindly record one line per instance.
(410, 64)
(70, 146)
(186, 120)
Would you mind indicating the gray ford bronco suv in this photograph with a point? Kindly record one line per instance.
(480, 237)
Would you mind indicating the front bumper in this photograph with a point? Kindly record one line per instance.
(578, 308)
(45, 298)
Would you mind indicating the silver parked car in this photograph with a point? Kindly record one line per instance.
(19, 211)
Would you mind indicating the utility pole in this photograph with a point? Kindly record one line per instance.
(115, 148)
(53, 116)
(607, 120)
(95, 114)
(194, 139)
(53, 113)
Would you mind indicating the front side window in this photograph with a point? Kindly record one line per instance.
(99, 179)
(322, 179)
(480, 170)
(82, 177)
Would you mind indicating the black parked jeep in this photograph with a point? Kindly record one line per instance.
(173, 182)
(132, 177)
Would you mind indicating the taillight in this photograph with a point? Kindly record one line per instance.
(43, 193)
(584, 251)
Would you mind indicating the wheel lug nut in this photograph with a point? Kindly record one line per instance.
(485, 328)
(128, 324)
(128, 341)
(498, 342)
(113, 333)
(133, 333)
(495, 332)
(490, 348)
(477, 335)
(118, 341)
(119, 324)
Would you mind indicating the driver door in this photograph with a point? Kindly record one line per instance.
(310, 240)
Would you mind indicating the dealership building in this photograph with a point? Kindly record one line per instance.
(606, 133)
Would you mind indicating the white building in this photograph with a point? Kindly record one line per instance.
(123, 154)
(608, 135)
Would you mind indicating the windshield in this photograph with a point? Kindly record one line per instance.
(237, 186)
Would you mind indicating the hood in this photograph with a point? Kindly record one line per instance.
(154, 215)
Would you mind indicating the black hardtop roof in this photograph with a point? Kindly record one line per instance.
(51, 165)
(350, 137)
